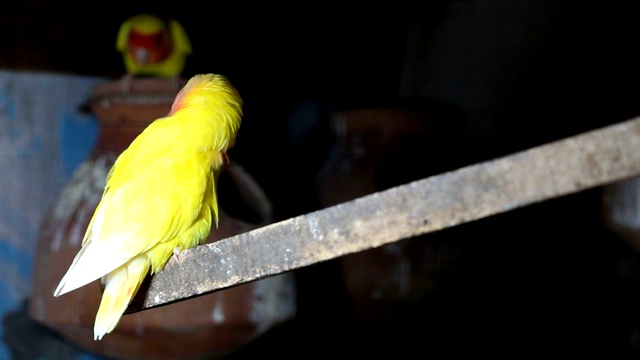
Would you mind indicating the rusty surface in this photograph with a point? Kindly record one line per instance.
(559, 168)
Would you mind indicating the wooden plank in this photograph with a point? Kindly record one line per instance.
(470, 193)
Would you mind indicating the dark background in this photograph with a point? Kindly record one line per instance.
(546, 279)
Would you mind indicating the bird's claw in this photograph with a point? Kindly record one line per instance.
(176, 253)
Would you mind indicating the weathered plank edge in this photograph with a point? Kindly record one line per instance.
(470, 193)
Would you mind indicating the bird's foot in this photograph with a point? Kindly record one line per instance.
(126, 83)
(176, 253)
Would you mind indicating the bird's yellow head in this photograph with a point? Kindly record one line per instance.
(211, 96)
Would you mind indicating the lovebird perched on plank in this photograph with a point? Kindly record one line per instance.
(159, 198)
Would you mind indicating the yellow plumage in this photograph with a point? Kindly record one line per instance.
(159, 197)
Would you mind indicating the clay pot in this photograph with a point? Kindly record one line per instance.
(203, 327)
(376, 148)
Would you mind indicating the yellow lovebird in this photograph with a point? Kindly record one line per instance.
(159, 198)
(152, 46)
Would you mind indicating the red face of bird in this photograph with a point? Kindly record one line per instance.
(149, 48)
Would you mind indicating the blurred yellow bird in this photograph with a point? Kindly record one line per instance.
(159, 198)
(152, 46)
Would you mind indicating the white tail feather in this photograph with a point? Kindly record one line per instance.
(92, 262)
